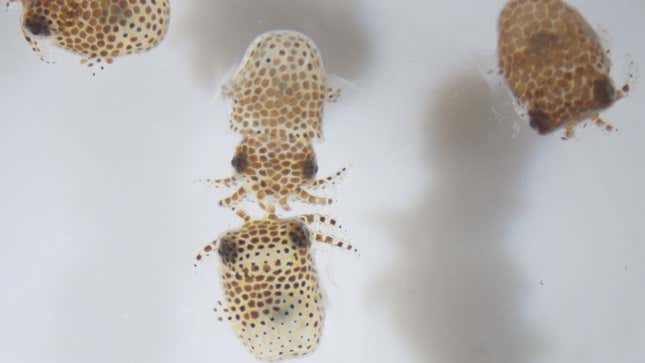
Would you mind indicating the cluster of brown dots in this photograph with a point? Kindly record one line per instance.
(98, 30)
(278, 96)
(551, 59)
(272, 298)
(279, 89)
(554, 64)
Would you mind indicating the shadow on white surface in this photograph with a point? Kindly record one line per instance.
(454, 293)
(220, 31)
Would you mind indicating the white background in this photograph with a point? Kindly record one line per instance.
(477, 244)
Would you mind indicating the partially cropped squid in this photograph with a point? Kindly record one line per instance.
(555, 65)
(98, 30)
(272, 298)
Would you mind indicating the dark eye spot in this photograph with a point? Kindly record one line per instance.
(37, 25)
(239, 162)
(227, 250)
(299, 236)
(540, 121)
(603, 92)
(309, 168)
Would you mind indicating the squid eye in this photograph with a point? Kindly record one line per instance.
(299, 236)
(239, 162)
(540, 121)
(227, 250)
(604, 92)
(309, 168)
(37, 25)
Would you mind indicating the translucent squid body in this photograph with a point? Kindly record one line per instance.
(554, 64)
(279, 88)
(99, 30)
(272, 297)
(278, 96)
(275, 170)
